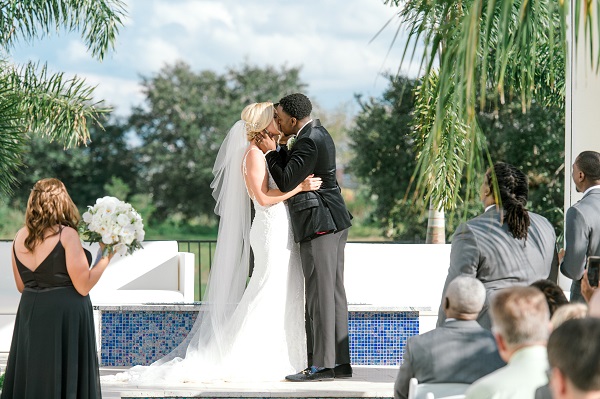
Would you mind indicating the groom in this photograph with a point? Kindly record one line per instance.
(320, 222)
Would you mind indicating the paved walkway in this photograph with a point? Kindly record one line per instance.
(368, 381)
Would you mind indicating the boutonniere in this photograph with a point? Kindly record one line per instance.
(291, 142)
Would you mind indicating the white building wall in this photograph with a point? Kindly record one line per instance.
(582, 130)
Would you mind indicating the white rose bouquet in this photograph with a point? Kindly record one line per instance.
(114, 223)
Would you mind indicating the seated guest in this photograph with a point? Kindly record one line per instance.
(460, 350)
(575, 362)
(506, 245)
(570, 311)
(520, 322)
(555, 297)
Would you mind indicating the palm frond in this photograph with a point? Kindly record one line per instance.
(98, 21)
(11, 143)
(53, 105)
(506, 48)
(584, 14)
(441, 159)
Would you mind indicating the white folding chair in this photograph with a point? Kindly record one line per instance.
(447, 390)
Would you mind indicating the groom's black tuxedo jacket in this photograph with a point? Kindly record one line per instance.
(313, 152)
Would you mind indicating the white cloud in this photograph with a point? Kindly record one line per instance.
(121, 94)
(193, 15)
(153, 52)
(329, 39)
(76, 51)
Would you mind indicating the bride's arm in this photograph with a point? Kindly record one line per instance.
(258, 186)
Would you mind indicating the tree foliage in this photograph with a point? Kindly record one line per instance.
(386, 142)
(511, 48)
(85, 170)
(161, 158)
(384, 156)
(185, 118)
(535, 143)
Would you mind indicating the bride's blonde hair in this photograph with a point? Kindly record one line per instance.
(257, 117)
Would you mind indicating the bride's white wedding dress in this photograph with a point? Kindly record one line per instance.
(264, 339)
(271, 338)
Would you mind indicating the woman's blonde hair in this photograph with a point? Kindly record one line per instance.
(574, 310)
(49, 205)
(257, 117)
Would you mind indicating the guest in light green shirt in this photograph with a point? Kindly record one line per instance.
(521, 325)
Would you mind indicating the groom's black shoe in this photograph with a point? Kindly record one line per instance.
(343, 371)
(309, 375)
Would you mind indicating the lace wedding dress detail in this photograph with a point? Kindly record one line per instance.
(265, 339)
(273, 303)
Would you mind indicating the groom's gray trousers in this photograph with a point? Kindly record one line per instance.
(326, 304)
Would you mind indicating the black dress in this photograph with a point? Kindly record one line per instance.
(53, 350)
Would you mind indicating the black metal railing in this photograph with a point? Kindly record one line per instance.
(203, 251)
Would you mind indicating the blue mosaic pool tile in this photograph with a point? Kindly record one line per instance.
(129, 338)
(379, 338)
(141, 337)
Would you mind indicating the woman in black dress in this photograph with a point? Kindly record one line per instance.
(53, 349)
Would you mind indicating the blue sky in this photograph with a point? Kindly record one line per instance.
(328, 38)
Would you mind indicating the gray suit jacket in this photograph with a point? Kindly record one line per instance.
(582, 239)
(459, 351)
(485, 249)
(543, 392)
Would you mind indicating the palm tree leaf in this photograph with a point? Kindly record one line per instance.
(32, 100)
(504, 47)
(97, 20)
(11, 143)
(440, 158)
(53, 105)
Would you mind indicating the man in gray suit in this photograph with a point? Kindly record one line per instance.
(459, 351)
(506, 245)
(582, 223)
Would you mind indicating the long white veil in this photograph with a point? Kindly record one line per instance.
(229, 271)
(209, 339)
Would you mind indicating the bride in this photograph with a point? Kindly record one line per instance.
(253, 333)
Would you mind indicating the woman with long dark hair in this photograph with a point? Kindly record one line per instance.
(507, 245)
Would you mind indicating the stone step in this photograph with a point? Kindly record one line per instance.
(367, 382)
